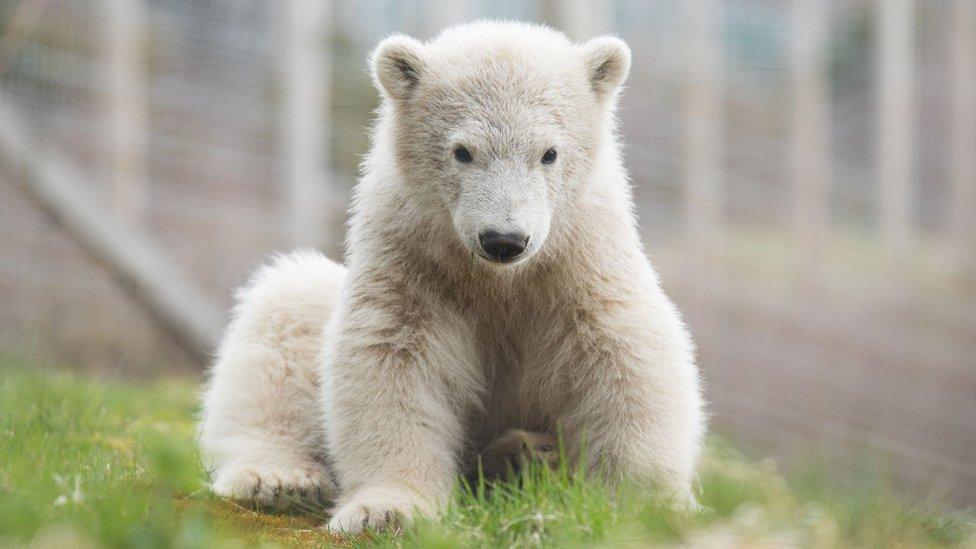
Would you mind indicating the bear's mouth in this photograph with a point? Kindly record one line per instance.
(501, 261)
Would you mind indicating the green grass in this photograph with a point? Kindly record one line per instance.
(95, 462)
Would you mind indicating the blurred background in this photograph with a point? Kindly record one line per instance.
(805, 177)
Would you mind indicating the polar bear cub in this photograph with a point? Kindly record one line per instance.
(495, 280)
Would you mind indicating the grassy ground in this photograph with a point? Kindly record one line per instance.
(87, 462)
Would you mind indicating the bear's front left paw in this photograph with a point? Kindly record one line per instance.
(375, 509)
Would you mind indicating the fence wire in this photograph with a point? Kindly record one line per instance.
(804, 175)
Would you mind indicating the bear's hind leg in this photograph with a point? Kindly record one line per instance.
(261, 433)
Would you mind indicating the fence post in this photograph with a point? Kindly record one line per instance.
(127, 107)
(447, 13)
(579, 19)
(963, 120)
(169, 295)
(703, 120)
(810, 143)
(895, 126)
(304, 119)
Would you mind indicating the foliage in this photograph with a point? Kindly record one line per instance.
(101, 462)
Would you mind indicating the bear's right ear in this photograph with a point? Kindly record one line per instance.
(397, 66)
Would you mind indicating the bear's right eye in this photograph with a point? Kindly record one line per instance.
(463, 155)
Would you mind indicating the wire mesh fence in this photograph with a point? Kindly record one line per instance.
(804, 172)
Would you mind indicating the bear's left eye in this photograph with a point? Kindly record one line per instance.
(463, 155)
(549, 157)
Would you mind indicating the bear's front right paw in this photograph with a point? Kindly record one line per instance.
(375, 509)
(276, 487)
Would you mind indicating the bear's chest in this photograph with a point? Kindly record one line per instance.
(520, 353)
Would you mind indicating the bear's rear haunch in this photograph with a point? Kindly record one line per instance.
(495, 280)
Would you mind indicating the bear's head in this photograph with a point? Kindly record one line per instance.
(496, 127)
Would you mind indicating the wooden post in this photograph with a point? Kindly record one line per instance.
(579, 19)
(169, 295)
(896, 123)
(810, 144)
(127, 127)
(305, 127)
(703, 120)
(963, 120)
(447, 13)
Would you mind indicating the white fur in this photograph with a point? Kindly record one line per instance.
(260, 432)
(432, 350)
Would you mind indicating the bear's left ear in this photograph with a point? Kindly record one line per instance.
(398, 66)
(607, 62)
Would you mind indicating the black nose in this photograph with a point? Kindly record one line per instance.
(503, 247)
